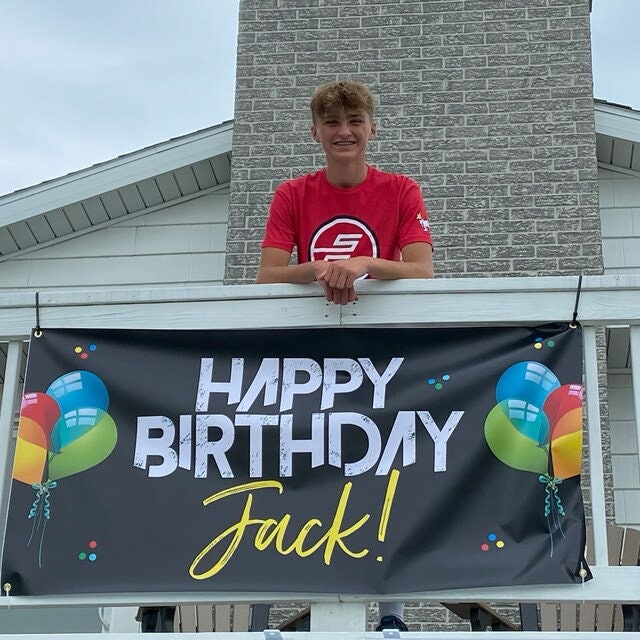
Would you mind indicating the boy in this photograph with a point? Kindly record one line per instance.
(348, 220)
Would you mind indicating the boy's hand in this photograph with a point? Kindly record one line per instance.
(342, 274)
(338, 296)
(338, 277)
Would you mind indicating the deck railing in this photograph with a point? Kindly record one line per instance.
(603, 301)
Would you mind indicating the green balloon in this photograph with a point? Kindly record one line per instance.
(87, 451)
(512, 447)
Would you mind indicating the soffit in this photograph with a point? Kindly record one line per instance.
(133, 184)
(617, 136)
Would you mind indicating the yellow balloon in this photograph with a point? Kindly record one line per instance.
(566, 454)
(29, 462)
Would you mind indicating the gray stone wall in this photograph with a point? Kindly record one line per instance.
(486, 103)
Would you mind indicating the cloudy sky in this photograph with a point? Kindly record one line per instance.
(83, 81)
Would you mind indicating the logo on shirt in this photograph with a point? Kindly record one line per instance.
(423, 223)
(342, 238)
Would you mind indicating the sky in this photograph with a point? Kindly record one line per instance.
(84, 81)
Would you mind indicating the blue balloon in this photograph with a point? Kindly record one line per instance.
(79, 389)
(528, 419)
(74, 424)
(529, 381)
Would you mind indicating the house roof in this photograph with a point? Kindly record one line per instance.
(130, 184)
(617, 136)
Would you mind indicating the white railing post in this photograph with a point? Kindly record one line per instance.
(338, 616)
(7, 411)
(596, 467)
(634, 338)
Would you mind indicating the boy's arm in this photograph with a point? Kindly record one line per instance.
(274, 267)
(417, 262)
(337, 278)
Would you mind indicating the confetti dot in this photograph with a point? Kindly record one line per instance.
(484, 547)
(551, 343)
(82, 556)
(92, 347)
(499, 544)
(379, 558)
(78, 349)
(84, 356)
(92, 557)
(492, 537)
(439, 383)
(92, 544)
(537, 345)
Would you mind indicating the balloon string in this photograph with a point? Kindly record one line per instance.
(36, 503)
(553, 507)
(34, 513)
(41, 544)
(40, 512)
(42, 496)
(51, 484)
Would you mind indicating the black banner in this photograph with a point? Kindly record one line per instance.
(366, 461)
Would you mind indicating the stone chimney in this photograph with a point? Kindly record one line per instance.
(488, 104)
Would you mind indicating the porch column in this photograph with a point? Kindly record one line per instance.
(7, 410)
(338, 616)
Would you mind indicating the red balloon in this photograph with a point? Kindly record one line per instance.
(560, 402)
(42, 409)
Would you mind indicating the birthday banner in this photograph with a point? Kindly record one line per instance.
(370, 461)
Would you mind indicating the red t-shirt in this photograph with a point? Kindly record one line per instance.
(376, 218)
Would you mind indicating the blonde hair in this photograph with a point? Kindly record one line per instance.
(335, 96)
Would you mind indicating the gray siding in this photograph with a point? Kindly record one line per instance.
(487, 103)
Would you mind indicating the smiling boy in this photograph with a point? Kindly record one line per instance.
(348, 220)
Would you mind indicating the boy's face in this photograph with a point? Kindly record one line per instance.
(344, 135)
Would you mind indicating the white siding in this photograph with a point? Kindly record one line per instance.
(620, 214)
(626, 472)
(180, 244)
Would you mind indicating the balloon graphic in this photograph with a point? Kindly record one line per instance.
(62, 432)
(529, 380)
(537, 426)
(566, 454)
(38, 414)
(504, 435)
(79, 389)
(71, 426)
(30, 457)
(30, 431)
(564, 409)
(87, 437)
(41, 408)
